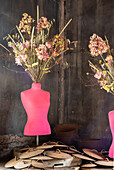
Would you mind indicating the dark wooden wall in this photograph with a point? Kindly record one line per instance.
(12, 116)
(86, 106)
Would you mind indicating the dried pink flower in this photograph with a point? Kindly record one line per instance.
(42, 24)
(97, 45)
(108, 58)
(97, 75)
(25, 23)
(102, 82)
(27, 44)
(48, 45)
(17, 61)
(20, 59)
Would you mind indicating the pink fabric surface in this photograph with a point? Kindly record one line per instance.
(111, 121)
(36, 103)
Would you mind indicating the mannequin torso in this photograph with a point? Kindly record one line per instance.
(111, 121)
(36, 103)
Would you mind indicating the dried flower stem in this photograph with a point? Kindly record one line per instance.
(4, 48)
(92, 65)
(110, 75)
(12, 39)
(103, 59)
(65, 26)
(32, 36)
(20, 34)
(14, 70)
(111, 92)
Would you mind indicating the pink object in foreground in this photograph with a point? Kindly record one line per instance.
(97, 75)
(36, 103)
(111, 121)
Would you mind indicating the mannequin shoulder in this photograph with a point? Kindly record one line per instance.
(24, 93)
(46, 93)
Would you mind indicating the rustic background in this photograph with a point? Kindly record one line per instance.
(71, 101)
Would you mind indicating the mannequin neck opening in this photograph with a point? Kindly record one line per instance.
(36, 85)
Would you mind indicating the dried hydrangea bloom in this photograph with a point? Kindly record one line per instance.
(42, 24)
(97, 45)
(25, 23)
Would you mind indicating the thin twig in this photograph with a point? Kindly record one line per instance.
(20, 33)
(4, 48)
(14, 70)
(12, 39)
(65, 26)
(32, 37)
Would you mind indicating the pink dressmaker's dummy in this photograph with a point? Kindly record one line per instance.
(111, 121)
(36, 103)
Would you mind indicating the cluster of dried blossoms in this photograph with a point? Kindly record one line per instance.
(34, 50)
(104, 67)
(25, 23)
(43, 24)
(97, 45)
